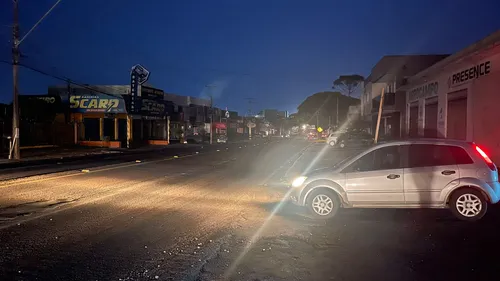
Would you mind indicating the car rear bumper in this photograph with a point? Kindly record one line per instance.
(493, 190)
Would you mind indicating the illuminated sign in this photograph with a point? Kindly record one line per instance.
(96, 103)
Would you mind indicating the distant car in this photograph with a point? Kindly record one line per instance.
(221, 139)
(353, 139)
(312, 136)
(333, 138)
(194, 139)
(432, 173)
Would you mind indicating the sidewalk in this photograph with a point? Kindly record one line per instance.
(58, 155)
(53, 155)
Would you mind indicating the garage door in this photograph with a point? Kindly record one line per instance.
(413, 130)
(457, 115)
(431, 114)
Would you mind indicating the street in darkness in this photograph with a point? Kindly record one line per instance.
(217, 215)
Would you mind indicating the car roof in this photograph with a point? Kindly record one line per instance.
(426, 141)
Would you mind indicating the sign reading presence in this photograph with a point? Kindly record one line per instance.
(96, 103)
(468, 74)
(422, 92)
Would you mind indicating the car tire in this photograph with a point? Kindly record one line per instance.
(342, 145)
(332, 143)
(323, 203)
(468, 204)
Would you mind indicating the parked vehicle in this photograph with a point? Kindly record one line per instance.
(194, 139)
(353, 139)
(333, 138)
(431, 173)
(221, 139)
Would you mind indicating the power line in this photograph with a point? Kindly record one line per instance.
(61, 78)
(38, 22)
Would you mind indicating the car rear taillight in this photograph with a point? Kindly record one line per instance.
(486, 158)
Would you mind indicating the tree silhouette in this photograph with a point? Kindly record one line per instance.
(321, 108)
(348, 84)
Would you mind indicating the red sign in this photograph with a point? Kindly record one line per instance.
(219, 125)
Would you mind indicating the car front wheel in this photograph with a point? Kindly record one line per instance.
(332, 143)
(468, 204)
(323, 204)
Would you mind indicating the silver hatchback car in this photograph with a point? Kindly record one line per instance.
(425, 173)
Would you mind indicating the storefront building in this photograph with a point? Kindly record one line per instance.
(388, 75)
(99, 115)
(457, 98)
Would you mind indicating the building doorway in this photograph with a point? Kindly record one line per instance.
(413, 125)
(431, 116)
(457, 115)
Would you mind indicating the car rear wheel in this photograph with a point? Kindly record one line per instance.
(323, 203)
(468, 204)
(342, 145)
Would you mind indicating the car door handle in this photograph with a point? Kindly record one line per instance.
(448, 172)
(393, 176)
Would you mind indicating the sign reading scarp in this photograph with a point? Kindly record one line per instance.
(96, 103)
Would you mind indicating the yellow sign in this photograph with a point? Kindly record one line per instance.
(96, 103)
(320, 129)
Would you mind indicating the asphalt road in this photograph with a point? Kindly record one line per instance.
(219, 214)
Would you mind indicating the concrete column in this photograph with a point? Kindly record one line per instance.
(101, 128)
(129, 130)
(167, 129)
(75, 131)
(116, 129)
(150, 128)
(142, 129)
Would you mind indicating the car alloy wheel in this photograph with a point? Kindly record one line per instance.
(332, 143)
(322, 204)
(342, 145)
(469, 205)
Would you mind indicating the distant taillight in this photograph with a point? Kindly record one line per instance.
(486, 158)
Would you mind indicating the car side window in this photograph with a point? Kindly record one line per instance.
(384, 158)
(461, 156)
(428, 155)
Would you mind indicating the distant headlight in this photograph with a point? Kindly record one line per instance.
(298, 181)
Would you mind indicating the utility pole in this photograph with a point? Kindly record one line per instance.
(15, 152)
(380, 107)
(211, 118)
(337, 119)
(250, 101)
(211, 111)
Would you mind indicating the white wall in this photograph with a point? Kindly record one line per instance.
(490, 94)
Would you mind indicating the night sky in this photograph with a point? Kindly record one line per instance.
(275, 51)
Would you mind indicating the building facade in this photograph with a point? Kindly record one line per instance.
(389, 74)
(458, 97)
